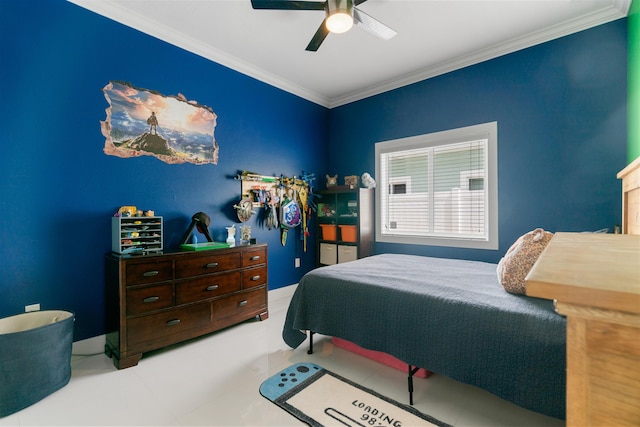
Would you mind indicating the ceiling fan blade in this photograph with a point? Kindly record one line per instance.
(288, 5)
(372, 25)
(318, 37)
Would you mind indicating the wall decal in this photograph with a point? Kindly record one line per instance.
(142, 122)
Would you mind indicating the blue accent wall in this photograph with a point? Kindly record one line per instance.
(561, 112)
(59, 189)
(560, 107)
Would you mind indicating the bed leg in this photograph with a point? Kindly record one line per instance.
(310, 351)
(412, 371)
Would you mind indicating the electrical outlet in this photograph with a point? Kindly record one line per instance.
(32, 307)
(297, 262)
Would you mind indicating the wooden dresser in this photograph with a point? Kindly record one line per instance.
(630, 177)
(595, 281)
(157, 300)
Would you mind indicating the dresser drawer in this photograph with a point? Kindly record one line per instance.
(238, 306)
(252, 277)
(149, 272)
(207, 287)
(161, 325)
(254, 257)
(198, 266)
(150, 298)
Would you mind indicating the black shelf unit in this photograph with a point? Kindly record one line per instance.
(345, 225)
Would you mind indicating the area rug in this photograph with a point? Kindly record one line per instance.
(319, 397)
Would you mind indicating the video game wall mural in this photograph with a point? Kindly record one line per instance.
(142, 122)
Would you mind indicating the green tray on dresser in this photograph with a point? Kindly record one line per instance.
(205, 246)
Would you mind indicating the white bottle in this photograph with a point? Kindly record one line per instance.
(231, 232)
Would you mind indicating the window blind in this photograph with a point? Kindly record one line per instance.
(436, 191)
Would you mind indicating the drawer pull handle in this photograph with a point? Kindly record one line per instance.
(151, 299)
(151, 273)
(242, 303)
(255, 258)
(173, 322)
(255, 278)
(212, 265)
(212, 287)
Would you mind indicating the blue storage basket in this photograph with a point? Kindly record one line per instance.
(35, 357)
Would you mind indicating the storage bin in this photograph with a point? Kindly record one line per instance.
(348, 233)
(35, 357)
(347, 253)
(378, 356)
(328, 254)
(328, 231)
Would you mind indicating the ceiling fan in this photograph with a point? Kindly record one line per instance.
(340, 16)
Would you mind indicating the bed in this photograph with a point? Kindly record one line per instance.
(451, 317)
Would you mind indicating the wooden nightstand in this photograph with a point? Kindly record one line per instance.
(595, 281)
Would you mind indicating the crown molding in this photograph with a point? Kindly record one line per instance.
(616, 10)
(170, 35)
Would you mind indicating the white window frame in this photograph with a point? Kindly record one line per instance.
(487, 131)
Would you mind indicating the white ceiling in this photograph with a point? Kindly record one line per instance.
(434, 37)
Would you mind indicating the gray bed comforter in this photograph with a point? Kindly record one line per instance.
(448, 316)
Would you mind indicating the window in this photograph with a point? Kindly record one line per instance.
(439, 188)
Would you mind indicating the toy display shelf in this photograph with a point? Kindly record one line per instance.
(137, 235)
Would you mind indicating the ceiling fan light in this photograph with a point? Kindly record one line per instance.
(339, 22)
